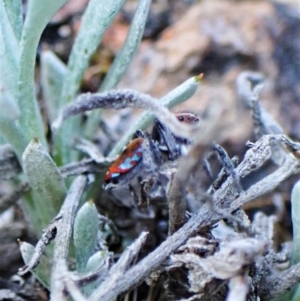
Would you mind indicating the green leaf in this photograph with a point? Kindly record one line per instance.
(97, 17)
(11, 132)
(42, 271)
(95, 261)
(47, 185)
(2, 139)
(93, 264)
(53, 72)
(295, 203)
(178, 95)
(123, 59)
(9, 60)
(126, 54)
(9, 54)
(294, 293)
(286, 296)
(39, 13)
(85, 234)
(14, 13)
(9, 108)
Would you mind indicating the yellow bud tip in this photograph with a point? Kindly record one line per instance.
(91, 202)
(199, 77)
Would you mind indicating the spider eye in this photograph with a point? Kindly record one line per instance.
(180, 118)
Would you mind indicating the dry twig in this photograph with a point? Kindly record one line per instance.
(120, 267)
(73, 289)
(85, 166)
(176, 195)
(63, 236)
(120, 99)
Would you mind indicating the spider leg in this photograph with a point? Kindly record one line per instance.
(223, 175)
(138, 134)
(162, 134)
(152, 157)
(228, 166)
(152, 162)
(146, 186)
(206, 166)
(134, 195)
(141, 197)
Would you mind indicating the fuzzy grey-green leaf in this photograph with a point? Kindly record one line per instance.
(14, 13)
(53, 72)
(85, 234)
(295, 203)
(125, 55)
(9, 54)
(42, 270)
(46, 182)
(9, 108)
(123, 59)
(39, 13)
(13, 134)
(97, 17)
(96, 262)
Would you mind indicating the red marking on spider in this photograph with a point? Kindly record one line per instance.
(133, 151)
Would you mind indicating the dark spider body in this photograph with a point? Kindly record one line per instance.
(159, 133)
(148, 161)
(142, 159)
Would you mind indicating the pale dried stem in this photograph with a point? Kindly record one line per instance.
(120, 99)
(63, 236)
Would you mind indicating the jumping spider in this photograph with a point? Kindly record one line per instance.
(143, 161)
(149, 159)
